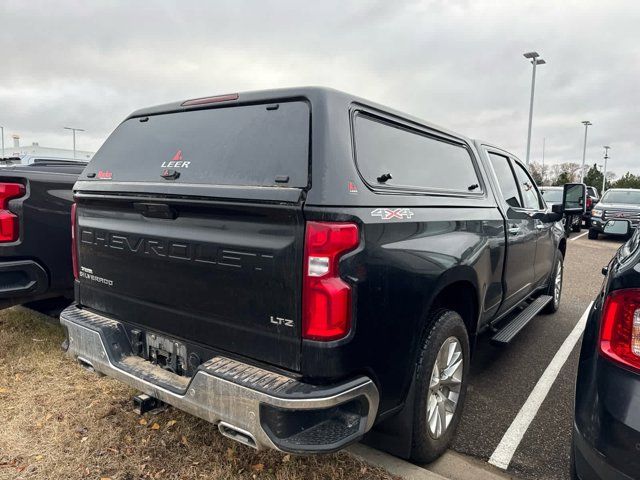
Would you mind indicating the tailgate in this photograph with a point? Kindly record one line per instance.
(221, 276)
(190, 225)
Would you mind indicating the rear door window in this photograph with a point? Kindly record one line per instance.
(414, 160)
(506, 180)
(528, 188)
(241, 145)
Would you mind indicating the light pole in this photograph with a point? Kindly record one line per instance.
(535, 61)
(586, 124)
(74, 130)
(544, 144)
(2, 134)
(604, 173)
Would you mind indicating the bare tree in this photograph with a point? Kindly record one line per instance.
(566, 172)
(535, 169)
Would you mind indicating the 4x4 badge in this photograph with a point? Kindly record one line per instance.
(391, 213)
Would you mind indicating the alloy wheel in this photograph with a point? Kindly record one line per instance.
(444, 387)
(557, 289)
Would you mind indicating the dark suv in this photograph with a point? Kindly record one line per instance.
(297, 266)
(606, 434)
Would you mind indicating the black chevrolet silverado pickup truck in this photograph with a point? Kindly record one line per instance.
(302, 266)
(35, 252)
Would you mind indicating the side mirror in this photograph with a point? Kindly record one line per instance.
(574, 198)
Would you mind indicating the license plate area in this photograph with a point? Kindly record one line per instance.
(174, 355)
(167, 353)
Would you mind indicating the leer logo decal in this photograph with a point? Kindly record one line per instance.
(176, 161)
(391, 213)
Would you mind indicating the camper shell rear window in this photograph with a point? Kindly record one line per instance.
(263, 145)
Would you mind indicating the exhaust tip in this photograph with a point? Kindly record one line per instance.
(237, 434)
(88, 366)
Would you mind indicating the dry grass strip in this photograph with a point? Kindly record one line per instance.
(59, 422)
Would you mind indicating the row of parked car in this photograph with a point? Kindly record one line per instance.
(616, 213)
(302, 268)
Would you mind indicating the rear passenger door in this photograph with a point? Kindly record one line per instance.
(545, 245)
(521, 234)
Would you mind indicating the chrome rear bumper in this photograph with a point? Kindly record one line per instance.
(255, 406)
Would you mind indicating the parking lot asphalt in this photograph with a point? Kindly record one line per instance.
(504, 377)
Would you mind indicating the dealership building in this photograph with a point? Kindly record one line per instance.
(14, 149)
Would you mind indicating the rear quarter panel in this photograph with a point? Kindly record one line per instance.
(399, 268)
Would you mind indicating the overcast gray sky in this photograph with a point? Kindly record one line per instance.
(455, 63)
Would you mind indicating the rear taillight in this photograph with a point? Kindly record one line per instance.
(74, 245)
(620, 329)
(9, 224)
(589, 202)
(326, 298)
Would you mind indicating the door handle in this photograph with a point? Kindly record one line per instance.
(514, 230)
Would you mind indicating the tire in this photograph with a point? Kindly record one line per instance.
(577, 226)
(555, 285)
(446, 332)
(593, 234)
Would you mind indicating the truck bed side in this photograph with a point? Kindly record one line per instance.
(38, 264)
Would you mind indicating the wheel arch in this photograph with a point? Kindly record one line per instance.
(457, 290)
(562, 246)
(454, 290)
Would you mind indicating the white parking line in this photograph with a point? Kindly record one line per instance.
(579, 236)
(503, 453)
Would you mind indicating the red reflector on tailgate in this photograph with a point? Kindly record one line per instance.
(326, 298)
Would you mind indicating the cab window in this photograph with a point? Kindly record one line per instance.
(530, 195)
(506, 180)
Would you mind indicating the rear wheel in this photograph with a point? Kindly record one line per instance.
(593, 234)
(554, 289)
(441, 384)
(576, 224)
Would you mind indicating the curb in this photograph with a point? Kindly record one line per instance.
(393, 465)
(450, 466)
